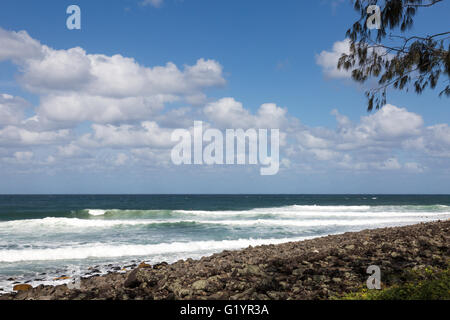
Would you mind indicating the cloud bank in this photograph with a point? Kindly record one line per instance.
(98, 112)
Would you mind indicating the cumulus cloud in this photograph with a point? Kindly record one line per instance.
(75, 108)
(96, 110)
(76, 86)
(72, 151)
(374, 143)
(328, 60)
(23, 156)
(148, 133)
(18, 46)
(121, 159)
(12, 136)
(229, 113)
(434, 141)
(385, 128)
(11, 109)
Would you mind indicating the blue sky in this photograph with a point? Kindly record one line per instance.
(260, 52)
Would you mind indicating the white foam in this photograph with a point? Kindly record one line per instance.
(58, 223)
(62, 225)
(319, 223)
(99, 250)
(328, 211)
(96, 212)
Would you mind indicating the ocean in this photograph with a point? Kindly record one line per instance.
(44, 237)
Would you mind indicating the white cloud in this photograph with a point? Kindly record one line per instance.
(229, 113)
(328, 60)
(18, 46)
(121, 106)
(152, 157)
(121, 159)
(12, 135)
(148, 133)
(374, 143)
(75, 86)
(72, 151)
(73, 70)
(11, 109)
(434, 141)
(75, 108)
(414, 167)
(390, 164)
(23, 156)
(386, 127)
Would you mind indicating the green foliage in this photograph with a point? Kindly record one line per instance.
(428, 284)
(416, 62)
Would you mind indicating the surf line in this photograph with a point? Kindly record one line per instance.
(234, 144)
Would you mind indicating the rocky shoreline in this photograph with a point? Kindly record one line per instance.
(320, 268)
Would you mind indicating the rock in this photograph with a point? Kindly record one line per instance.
(350, 247)
(200, 285)
(252, 270)
(244, 295)
(276, 295)
(61, 278)
(144, 265)
(184, 293)
(298, 272)
(319, 278)
(22, 287)
(140, 276)
(160, 265)
(132, 281)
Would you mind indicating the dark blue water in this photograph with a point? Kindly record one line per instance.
(41, 206)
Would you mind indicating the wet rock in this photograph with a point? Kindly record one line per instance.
(144, 265)
(22, 287)
(160, 265)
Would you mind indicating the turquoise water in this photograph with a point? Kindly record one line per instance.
(43, 237)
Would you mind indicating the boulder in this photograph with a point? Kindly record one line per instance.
(22, 287)
(144, 265)
(200, 285)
